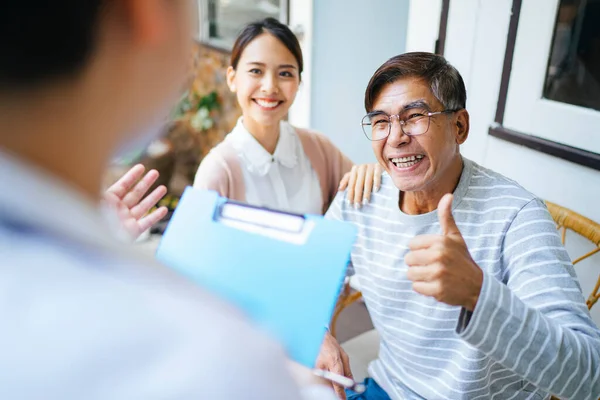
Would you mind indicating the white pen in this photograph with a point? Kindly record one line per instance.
(340, 380)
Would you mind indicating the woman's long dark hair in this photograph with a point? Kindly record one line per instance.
(273, 27)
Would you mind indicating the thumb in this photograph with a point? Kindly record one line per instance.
(447, 222)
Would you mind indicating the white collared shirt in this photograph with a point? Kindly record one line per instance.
(284, 180)
(87, 317)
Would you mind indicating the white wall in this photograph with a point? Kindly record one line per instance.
(352, 38)
(422, 36)
(301, 22)
(475, 44)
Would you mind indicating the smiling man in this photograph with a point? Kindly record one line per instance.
(462, 270)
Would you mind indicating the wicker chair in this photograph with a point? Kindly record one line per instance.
(569, 220)
(565, 220)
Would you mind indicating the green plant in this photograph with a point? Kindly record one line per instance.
(198, 109)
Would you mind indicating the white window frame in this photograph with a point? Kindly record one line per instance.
(223, 43)
(526, 110)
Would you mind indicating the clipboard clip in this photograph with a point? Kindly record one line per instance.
(281, 225)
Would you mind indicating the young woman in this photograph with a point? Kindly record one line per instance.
(265, 160)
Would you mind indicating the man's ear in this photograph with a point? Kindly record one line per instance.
(231, 79)
(462, 126)
(148, 21)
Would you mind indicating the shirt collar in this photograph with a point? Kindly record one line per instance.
(36, 199)
(257, 159)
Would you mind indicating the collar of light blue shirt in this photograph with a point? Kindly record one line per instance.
(34, 198)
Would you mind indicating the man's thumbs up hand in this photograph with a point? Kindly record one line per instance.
(440, 266)
(445, 217)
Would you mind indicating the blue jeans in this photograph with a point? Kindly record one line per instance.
(373, 392)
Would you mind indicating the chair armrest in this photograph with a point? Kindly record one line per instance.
(347, 297)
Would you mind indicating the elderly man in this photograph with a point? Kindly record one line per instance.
(462, 270)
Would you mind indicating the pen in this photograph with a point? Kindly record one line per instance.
(340, 380)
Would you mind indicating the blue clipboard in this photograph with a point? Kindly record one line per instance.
(284, 270)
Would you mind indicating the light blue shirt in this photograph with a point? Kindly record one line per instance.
(85, 316)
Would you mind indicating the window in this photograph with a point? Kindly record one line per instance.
(222, 20)
(573, 74)
(550, 89)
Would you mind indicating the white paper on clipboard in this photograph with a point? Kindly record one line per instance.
(288, 227)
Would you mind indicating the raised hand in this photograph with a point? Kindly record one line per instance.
(127, 197)
(441, 267)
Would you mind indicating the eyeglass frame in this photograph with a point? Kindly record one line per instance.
(403, 122)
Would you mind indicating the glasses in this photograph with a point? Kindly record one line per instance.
(377, 125)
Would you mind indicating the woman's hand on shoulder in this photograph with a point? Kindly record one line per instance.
(361, 181)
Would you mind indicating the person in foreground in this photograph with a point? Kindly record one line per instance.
(462, 270)
(85, 316)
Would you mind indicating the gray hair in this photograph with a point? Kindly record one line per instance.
(444, 80)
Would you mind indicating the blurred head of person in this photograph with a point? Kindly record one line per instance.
(81, 79)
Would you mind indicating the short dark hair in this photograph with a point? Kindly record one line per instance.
(444, 80)
(45, 40)
(273, 27)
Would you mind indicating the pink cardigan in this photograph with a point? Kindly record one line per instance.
(221, 170)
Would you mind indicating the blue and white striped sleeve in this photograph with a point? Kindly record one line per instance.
(335, 209)
(534, 320)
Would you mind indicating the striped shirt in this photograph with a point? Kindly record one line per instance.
(530, 334)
